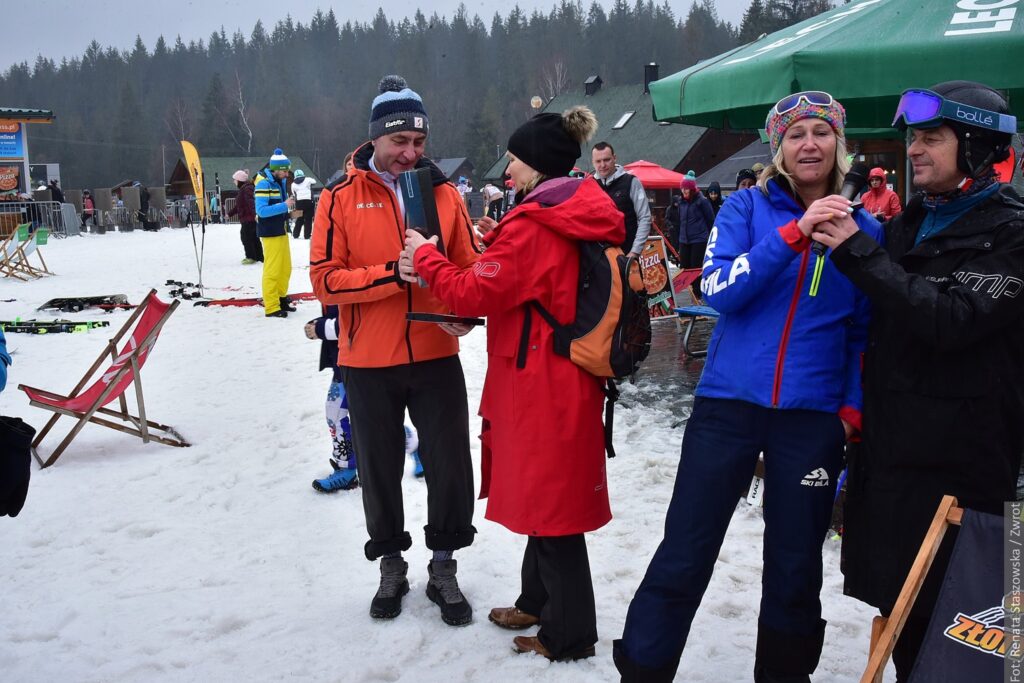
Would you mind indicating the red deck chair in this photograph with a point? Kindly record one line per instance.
(111, 384)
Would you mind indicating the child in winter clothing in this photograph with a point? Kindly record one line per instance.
(343, 458)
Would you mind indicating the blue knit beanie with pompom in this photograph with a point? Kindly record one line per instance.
(396, 109)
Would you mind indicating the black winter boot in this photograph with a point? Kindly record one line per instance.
(786, 657)
(443, 589)
(387, 603)
(287, 305)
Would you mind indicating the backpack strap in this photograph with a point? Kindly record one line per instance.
(524, 339)
(611, 394)
(546, 315)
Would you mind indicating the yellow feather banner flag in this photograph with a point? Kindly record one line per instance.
(195, 172)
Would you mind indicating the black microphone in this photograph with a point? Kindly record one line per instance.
(855, 180)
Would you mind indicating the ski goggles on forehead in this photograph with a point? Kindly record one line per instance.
(927, 109)
(790, 102)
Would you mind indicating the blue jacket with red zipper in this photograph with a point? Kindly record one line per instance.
(775, 345)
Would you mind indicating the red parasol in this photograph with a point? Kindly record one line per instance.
(654, 177)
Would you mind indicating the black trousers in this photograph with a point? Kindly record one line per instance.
(435, 394)
(305, 220)
(494, 209)
(557, 588)
(251, 242)
(692, 256)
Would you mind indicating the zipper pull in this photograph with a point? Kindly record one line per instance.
(819, 266)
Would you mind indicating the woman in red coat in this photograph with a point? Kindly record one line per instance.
(543, 441)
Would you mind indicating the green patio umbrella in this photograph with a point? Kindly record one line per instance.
(864, 53)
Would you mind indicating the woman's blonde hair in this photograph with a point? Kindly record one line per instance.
(777, 168)
(533, 183)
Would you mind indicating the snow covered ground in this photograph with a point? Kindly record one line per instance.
(219, 562)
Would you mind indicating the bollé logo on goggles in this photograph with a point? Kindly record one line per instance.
(975, 117)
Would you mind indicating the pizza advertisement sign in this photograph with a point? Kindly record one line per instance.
(9, 180)
(654, 267)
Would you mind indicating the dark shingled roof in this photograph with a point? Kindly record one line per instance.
(725, 173)
(223, 167)
(20, 114)
(641, 138)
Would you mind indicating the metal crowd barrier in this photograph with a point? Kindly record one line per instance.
(41, 214)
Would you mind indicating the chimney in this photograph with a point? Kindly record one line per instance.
(592, 85)
(650, 74)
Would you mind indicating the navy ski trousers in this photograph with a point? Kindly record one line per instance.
(803, 454)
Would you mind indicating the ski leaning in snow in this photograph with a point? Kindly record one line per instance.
(50, 326)
(253, 301)
(106, 302)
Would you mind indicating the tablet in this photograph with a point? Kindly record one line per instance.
(443, 318)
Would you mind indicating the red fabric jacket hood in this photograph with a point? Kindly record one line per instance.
(881, 200)
(567, 206)
(542, 459)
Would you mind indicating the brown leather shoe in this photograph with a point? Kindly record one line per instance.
(524, 644)
(512, 618)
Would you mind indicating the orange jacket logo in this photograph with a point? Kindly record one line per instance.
(982, 631)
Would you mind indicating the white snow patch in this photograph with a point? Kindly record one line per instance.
(219, 562)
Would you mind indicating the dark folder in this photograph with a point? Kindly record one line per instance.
(420, 207)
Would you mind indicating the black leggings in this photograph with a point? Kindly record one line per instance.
(305, 220)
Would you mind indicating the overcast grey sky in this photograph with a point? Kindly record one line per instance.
(63, 28)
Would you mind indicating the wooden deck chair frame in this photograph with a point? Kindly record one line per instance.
(31, 246)
(885, 631)
(138, 425)
(12, 256)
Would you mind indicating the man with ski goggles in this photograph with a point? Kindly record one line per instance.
(944, 371)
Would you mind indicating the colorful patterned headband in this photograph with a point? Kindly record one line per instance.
(777, 124)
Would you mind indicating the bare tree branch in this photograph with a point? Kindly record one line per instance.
(241, 115)
(179, 120)
(554, 79)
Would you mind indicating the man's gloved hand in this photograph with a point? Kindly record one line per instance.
(15, 464)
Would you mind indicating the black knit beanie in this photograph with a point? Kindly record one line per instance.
(745, 174)
(543, 144)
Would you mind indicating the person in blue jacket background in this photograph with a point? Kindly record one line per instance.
(15, 460)
(782, 377)
(272, 207)
(5, 360)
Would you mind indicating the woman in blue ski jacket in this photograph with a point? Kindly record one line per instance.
(782, 378)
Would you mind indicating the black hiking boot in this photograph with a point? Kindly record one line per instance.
(287, 305)
(282, 313)
(387, 603)
(443, 589)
